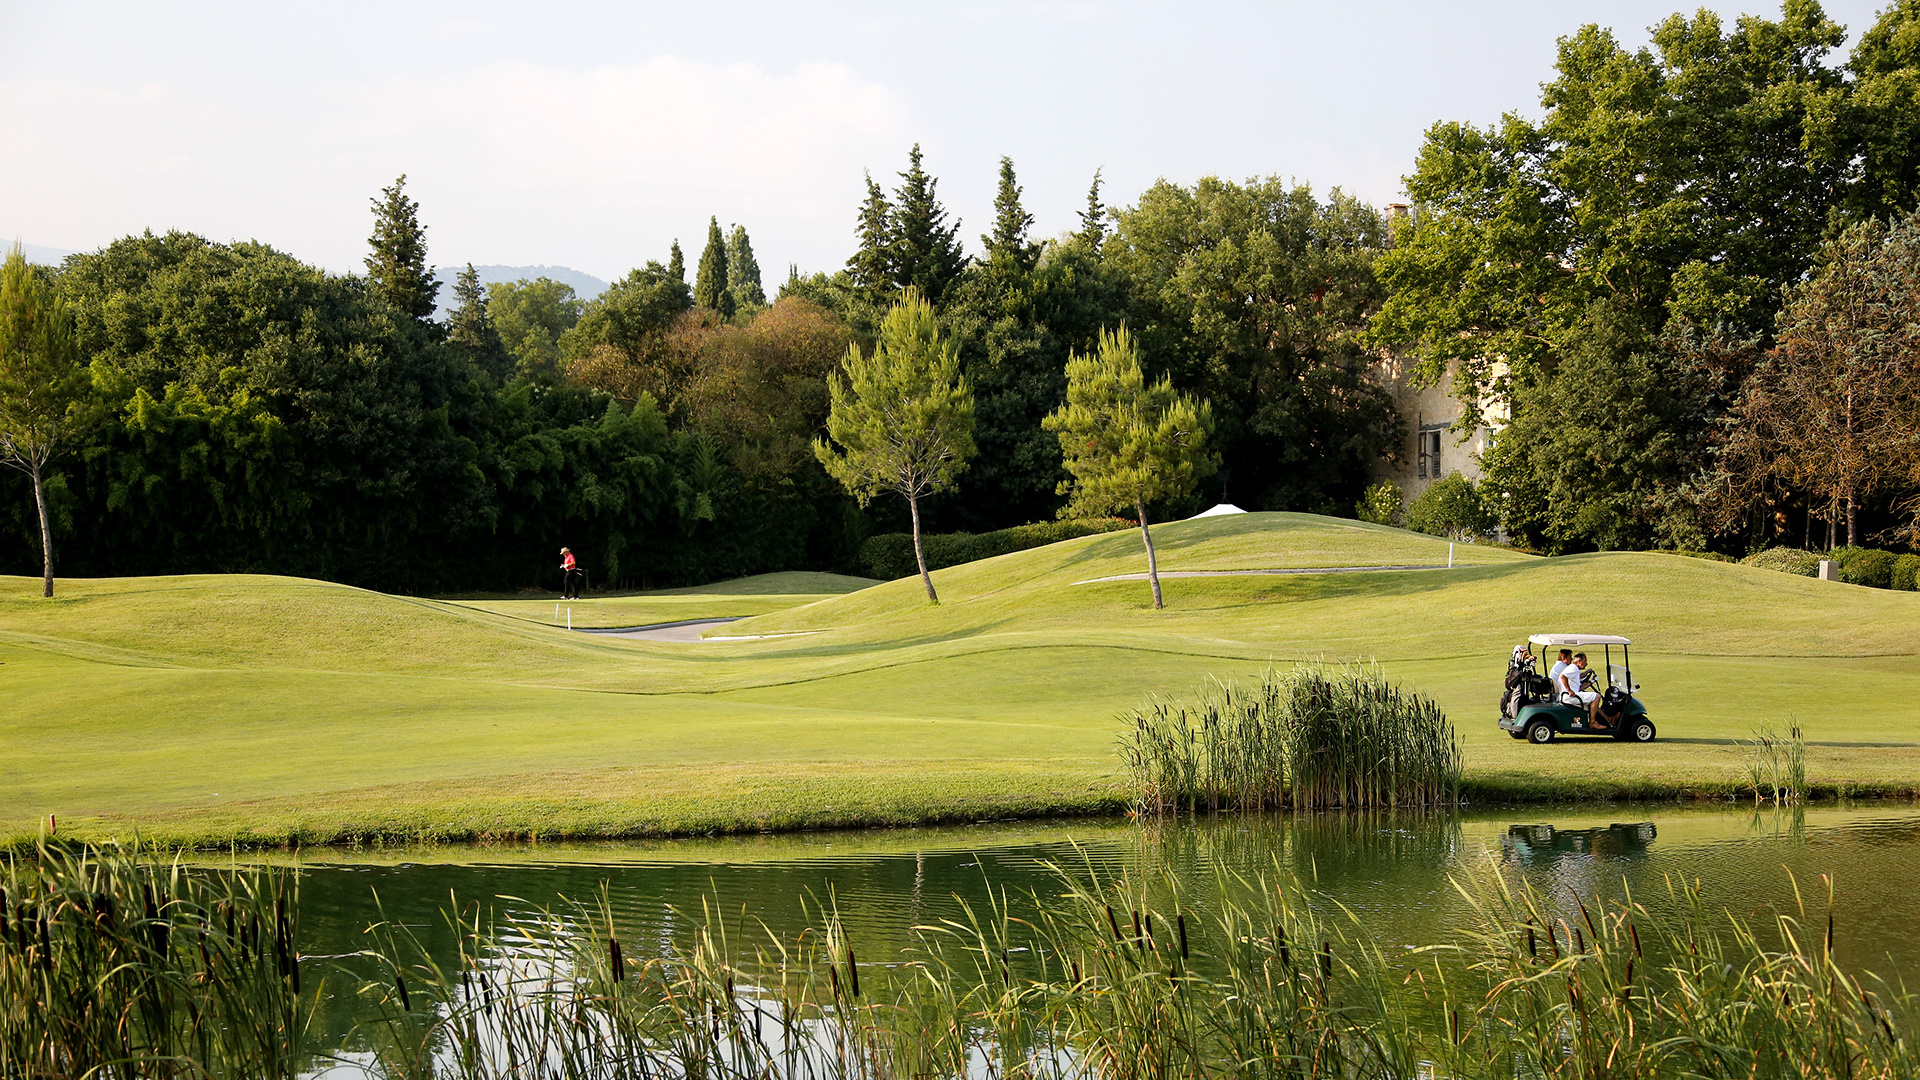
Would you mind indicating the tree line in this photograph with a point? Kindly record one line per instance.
(1693, 246)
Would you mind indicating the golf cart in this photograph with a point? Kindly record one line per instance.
(1531, 710)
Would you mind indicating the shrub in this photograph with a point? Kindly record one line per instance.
(890, 555)
(1710, 556)
(1380, 504)
(1906, 569)
(1451, 507)
(1786, 561)
(1864, 566)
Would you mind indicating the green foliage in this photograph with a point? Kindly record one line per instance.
(532, 317)
(1906, 569)
(44, 389)
(712, 285)
(1311, 739)
(1380, 504)
(1254, 297)
(470, 328)
(1125, 442)
(743, 272)
(924, 251)
(1864, 566)
(870, 268)
(889, 556)
(1776, 764)
(1786, 561)
(1451, 507)
(1011, 222)
(397, 270)
(901, 419)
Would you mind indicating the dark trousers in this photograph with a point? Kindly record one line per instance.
(570, 587)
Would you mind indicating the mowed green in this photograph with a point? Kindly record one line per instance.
(257, 709)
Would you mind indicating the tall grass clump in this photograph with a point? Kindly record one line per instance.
(1312, 738)
(112, 966)
(1776, 766)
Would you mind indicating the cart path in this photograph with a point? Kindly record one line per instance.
(685, 631)
(1291, 570)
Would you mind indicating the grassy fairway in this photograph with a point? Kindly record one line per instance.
(227, 707)
(760, 595)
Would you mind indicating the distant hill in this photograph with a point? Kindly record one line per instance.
(46, 256)
(585, 286)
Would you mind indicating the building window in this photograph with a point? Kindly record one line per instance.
(1430, 455)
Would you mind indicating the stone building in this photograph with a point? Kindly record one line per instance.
(1432, 448)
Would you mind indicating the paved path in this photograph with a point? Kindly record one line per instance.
(1239, 573)
(684, 630)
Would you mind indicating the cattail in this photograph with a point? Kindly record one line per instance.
(1634, 933)
(1286, 958)
(619, 962)
(1532, 948)
(1181, 921)
(853, 970)
(1112, 922)
(400, 982)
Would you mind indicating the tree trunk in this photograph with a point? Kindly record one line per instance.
(1853, 521)
(46, 531)
(919, 556)
(1153, 568)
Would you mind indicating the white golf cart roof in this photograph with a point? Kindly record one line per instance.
(1578, 639)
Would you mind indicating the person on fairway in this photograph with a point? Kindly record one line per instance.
(1559, 668)
(570, 575)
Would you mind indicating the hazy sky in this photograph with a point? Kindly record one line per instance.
(591, 135)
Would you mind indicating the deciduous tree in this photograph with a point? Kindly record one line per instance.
(1127, 442)
(901, 419)
(43, 385)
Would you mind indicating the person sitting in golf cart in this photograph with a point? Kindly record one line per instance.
(1575, 680)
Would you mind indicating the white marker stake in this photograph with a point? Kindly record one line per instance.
(1449, 554)
(556, 614)
(569, 618)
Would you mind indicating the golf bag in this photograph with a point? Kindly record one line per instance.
(1524, 685)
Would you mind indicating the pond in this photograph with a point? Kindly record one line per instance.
(1396, 874)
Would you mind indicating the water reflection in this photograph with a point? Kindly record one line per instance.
(1406, 877)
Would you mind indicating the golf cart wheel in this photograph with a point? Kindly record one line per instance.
(1540, 733)
(1640, 729)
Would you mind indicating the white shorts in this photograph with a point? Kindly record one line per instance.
(1579, 697)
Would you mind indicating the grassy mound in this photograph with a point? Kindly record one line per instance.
(259, 708)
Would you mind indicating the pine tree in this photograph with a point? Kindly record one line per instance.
(471, 327)
(872, 263)
(1093, 228)
(925, 252)
(397, 270)
(677, 263)
(710, 284)
(1010, 223)
(743, 270)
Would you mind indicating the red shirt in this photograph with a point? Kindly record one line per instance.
(566, 561)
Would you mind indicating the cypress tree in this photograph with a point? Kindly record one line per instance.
(710, 284)
(397, 269)
(926, 253)
(471, 327)
(872, 263)
(1093, 227)
(1010, 223)
(677, 263)
(743, 270)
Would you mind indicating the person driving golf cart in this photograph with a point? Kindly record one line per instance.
(1575, 701)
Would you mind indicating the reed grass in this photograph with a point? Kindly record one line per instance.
(1776, 766)
(1116, 979)
(112, 966)
(1311, 738)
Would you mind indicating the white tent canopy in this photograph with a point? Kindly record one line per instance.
(1218, 510)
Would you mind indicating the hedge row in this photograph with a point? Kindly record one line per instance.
(890, 555)
(1854, 565)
